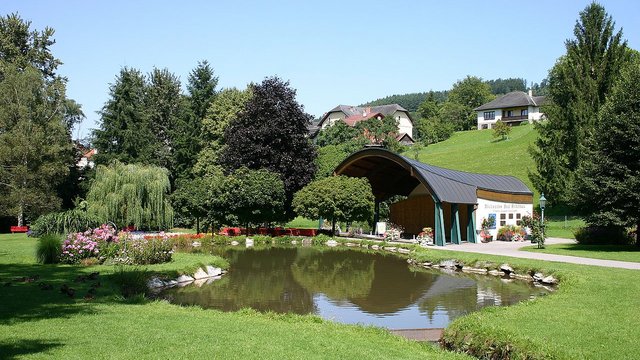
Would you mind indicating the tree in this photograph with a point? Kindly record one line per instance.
(25, 48)
(162, 103)
(429, 107)
(202, 88)
(254, 196)
(336, 134)
(271, 133)
(125, 132)
(470, 92)
(191, 199)
(224, 109)
(578, 85)
(501, 130)
(460, 116)
(433, 130)
(381, 132)
(131, 194)
(35, 146)
(329, 157)
(503, 86)
(607, 187)
(336, 198)
(36, 118)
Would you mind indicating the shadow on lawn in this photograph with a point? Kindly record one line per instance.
(25, 347)
(32, 292)
(603, 248)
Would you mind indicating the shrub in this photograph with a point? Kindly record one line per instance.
(49, 248)
(131, 281)
(64, 222)
(145, 251)
(79, 246)
(602, 235)
(510, 233)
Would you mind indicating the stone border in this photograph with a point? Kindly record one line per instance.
(202, 276)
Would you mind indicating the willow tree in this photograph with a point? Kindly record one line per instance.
(132, 194)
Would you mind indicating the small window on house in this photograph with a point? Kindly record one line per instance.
(489, 115)
(524, 112)
(509, 113)
(503, 216)
(503, 223)
(510, 216)
(485, 126)
(518, 216)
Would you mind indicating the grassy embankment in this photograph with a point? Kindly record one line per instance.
(606, 252)
(38, 323)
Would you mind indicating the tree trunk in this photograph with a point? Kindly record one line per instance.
(197, 225)
(333, 227)
(638, 234)
(20, 214)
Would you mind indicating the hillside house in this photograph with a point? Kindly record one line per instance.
(512, 108)
(351, 115)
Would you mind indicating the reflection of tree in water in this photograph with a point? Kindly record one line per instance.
(394, 286)
(258, 279)
(341, 275)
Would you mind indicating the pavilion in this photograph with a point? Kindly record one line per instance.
(451, 202)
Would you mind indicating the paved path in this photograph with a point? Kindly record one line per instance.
(513, 249)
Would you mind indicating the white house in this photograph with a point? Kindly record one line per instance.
(512, 108)
(351, 115)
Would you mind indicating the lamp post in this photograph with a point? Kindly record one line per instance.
(543, 202)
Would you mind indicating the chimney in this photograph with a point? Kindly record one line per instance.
(530, 93)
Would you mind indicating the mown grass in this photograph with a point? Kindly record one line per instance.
(606, 252)
(37, 323)
(561, 228)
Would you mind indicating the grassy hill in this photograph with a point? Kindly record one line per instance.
(478, 151)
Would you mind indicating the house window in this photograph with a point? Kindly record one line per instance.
(503, 223)
(485, 126)
(510, 216)
(503, 216)
(489, 115)
(524, 112)
(509, 113)
(518, 216)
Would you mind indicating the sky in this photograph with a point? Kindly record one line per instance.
(332, 52)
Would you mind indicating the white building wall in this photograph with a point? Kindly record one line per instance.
(332, 118)
(510, 211)
(489, 123)
(404, 124)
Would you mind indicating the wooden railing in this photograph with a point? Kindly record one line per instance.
(519, 117)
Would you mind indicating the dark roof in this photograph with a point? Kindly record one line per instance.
(398, 175)
(512, 99)
(358, 111)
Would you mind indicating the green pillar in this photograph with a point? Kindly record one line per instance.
(439, 228)
(472, 237)
(455, 224)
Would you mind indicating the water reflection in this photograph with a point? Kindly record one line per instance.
(349, 286)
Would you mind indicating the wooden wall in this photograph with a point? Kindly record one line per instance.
(507, 198)
(418, 212)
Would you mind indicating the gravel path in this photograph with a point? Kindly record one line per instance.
(513, 249)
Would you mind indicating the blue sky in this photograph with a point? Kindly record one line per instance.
(332, 52)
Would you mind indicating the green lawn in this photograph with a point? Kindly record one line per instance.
(38, 323)
(302, 223)
(561, 228)
(606, 252)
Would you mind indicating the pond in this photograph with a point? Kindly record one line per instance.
(349, 286)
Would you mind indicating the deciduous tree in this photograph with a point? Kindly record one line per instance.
(271, 133)
(336, 198)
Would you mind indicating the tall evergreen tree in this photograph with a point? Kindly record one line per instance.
(271, 133)
(163, 105)
(607, 188)
(201, 86)
(578, 85)
(125, 132)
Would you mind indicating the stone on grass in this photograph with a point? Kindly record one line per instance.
(390, 248)
(235, 243)
(196, 244)
(448, 264)
(200, 274)
(506, 268)
(496, 273)
(332, 243)
(184, 279)
(375, 247)
(549, 280)
(213, 271)
(294, 242)
(155, 283)
(538, 276)
(404, 251)
(249, 242)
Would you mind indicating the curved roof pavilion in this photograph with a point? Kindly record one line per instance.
(393, 174)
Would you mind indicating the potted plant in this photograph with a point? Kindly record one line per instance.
(487, 223)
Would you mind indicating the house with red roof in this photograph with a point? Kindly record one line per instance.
(352, 115)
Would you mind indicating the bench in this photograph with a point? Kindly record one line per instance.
(19, 229)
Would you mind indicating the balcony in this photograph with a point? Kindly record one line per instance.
(515, 118)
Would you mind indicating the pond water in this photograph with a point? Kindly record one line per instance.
(349, 286)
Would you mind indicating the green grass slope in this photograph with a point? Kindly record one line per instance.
(477, 151)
